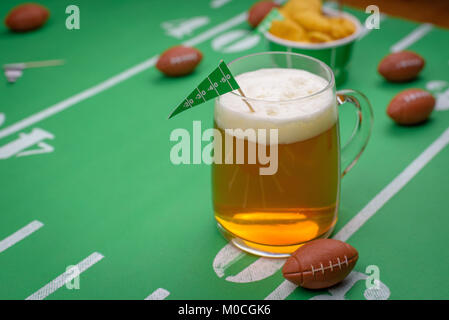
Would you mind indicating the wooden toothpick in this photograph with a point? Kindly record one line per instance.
(47, 63)
(247, 103)
(33, 64)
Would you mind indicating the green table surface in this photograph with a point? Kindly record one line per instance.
(109, 187)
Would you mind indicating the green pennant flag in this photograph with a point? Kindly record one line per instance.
(265, 25)
(219, 82)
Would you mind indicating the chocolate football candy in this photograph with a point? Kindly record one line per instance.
(320, 263)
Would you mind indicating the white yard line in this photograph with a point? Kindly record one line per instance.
(412, 37)
(88, 93)
(67, 103)
(67, 276)
(393, 187)
(286, 288)
(216, 30)
(20, 235)
(159, 294)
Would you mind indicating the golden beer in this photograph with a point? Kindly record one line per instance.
(295, 205)
(273, 212)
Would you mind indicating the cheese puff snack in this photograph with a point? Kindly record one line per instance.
(287, 29)
(348, 25)
(316, 36)
(305, 22)
(295, 6)
(341, 27)
(313, 21)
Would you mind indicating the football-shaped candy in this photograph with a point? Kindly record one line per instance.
(320, 263)
(259, 10)
(179, 61)
(26, 17)
(411, 106)
(401, 66)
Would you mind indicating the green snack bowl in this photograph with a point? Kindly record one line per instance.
(336, 54)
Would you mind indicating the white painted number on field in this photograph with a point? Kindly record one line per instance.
(72, 22)
(235, 41)
(183, 27)
(227, 256)
(261, 269)
(24, 141)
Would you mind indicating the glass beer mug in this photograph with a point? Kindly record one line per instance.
(276, 184)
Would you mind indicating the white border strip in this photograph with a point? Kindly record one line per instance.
(412, 37)
(216, 30)
(20, 235)
(88, 93)
(67, 276)
(159, 294)
(65, 104)
(286, 288)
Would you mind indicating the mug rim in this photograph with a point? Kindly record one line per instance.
(330, 83)
(319, 46)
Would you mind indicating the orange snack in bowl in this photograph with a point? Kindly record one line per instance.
(341, 27)
(316, 36)
(289, 30)
(312, 21)
(337, 29)
(304, 22)
(295, 6)
(348, 25)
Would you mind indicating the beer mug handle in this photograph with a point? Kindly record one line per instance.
(352, 149)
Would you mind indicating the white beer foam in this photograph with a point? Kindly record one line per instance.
(283, 103)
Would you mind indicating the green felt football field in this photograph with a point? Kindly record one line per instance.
(86, 177)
